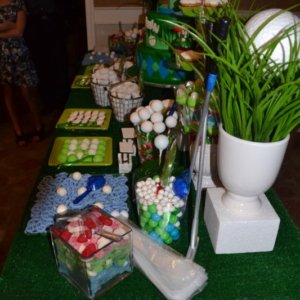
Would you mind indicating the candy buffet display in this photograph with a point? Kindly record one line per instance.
(93, 250)
(57, 193)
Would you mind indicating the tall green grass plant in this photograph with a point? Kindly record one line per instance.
(257, 99)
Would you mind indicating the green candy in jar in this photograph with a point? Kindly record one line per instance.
(152, 223)
(146, 214)
(152, 208)
(163, 223)
(173, 219)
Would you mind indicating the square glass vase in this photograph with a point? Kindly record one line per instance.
(86, 256)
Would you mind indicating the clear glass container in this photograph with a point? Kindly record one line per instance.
(160, 211)
(93, 250)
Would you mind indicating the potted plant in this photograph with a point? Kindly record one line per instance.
(257, 97)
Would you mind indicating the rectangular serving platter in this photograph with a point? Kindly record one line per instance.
(67, 112)
(58, 145)
(79, 82)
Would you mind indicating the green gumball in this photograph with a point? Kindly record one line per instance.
(62, 157)
(72, 158)
(98, 158)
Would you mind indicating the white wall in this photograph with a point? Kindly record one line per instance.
(103, 21)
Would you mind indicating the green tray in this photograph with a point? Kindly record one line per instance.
(79, 80)
(89, 69)
(67, 112)
(58, 145)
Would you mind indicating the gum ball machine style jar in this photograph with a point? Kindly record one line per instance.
(160, 210)
(93, 251)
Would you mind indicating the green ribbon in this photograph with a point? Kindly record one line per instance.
(74, 162)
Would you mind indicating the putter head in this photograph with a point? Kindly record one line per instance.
(192, 250)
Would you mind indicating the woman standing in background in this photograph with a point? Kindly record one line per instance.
(16, 67)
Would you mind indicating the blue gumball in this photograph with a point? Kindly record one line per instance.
(174, 232)
(153, 234)
(169, 227)
(176, 237)
(155, 217)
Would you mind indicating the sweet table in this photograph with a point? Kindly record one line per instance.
(30, 271)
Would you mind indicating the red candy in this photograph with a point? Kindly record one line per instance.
(88, 234)
(90, 249)
(66, 235)
(158, 189)
(82, 238)
(105, 220)
(89, 223)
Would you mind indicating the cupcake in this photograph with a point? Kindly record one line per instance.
(191, 3)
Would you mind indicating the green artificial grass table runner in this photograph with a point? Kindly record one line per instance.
(30, 272)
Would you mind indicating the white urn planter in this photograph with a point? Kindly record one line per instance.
(239, 217)
(247, 170)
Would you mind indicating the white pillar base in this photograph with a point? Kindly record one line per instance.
(207, 181)
(234, 233)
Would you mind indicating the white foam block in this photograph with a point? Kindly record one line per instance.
(126, 147)
(128, 133)
(233, 233)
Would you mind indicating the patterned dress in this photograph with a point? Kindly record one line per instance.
(16, 66)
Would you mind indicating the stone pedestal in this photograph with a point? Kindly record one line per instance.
(233, 233)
